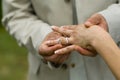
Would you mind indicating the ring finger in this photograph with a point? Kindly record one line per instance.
(61, 40)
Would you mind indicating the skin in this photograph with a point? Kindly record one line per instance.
(97, 19)
(48, 51)
(95, 37)
(109, 51)
(75, 37)
(100, 40)
(79, 35)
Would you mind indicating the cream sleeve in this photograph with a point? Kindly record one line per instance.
(21, 22)
(112, 16)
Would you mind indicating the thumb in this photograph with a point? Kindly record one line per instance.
(88, 24)
(93, 20)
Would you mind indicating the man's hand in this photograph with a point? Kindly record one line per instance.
(47, 51)
(97, 19)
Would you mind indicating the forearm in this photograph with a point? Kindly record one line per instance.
(109, 51)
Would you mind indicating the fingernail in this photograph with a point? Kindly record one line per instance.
(53, 26)
(56, 52)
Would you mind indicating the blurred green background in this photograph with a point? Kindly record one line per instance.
(13, 59)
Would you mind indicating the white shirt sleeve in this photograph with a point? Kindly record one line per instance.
(21, 22)
(112, 16)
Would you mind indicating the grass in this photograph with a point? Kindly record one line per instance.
(13, 59)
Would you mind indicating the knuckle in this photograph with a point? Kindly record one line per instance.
(41, 50)
(72, 32)
(68, 48)
(72, 40)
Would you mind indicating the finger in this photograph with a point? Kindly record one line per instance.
(55, 47)
(52, 42)
(70, 27)
(64, 40)
(85, 52)
(66, 50)
(63, 31)
(52, 58)
(93, 20)
(47, 51)
(71, 48)
(104, 25)
(88, 24)
(58, 59)
(61, 40)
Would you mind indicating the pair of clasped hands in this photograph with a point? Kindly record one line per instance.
(58, 45)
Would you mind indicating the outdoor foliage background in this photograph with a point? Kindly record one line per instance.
(13, 59)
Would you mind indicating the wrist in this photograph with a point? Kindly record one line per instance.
(94, 43)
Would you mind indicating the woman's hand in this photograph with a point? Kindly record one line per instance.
(78, 36)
